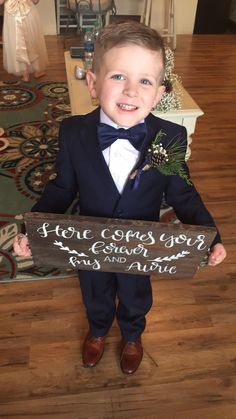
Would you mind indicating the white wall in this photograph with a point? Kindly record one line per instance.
(46, 10)
(185, 16)
(184, 13)
(130, 7)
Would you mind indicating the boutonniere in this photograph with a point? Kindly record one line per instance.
(168, 160)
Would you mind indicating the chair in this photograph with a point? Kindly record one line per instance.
(89, 11)
(168, 31)
(146, 12)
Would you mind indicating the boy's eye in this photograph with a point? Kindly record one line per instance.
(145, 81)
(118, 77)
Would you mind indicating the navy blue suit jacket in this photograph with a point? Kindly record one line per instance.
(81, 169)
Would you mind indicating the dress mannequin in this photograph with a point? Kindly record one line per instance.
(24, 49)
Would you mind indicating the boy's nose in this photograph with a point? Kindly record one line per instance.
(130, 89)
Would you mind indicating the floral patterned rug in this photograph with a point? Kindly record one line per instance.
(29, 122)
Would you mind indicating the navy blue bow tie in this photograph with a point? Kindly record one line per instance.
(108, 135)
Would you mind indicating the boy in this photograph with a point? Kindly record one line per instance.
(97, 160)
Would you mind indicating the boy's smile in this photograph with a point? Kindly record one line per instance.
(128, 83)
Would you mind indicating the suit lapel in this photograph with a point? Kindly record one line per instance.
(152, 129)
(93, 151)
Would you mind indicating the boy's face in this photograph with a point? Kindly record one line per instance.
(128, 83)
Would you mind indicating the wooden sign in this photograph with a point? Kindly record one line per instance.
(115, 245)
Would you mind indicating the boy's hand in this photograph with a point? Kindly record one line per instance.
(216, 255)
(21, 245)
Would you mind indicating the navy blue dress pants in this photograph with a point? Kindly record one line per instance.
(108, 295)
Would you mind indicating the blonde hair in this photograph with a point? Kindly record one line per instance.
(126, 33)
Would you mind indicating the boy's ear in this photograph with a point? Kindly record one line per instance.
(160, 91)
(91, 82)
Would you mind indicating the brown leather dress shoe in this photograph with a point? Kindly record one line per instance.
(131, 356)
(93, 349)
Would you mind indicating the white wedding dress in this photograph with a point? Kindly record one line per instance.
(24, 49)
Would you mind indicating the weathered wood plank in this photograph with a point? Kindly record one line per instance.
(116, 245)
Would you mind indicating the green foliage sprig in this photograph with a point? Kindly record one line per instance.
(168, 161)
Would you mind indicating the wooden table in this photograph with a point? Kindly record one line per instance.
(81, 103)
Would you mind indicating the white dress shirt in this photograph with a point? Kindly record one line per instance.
(120, 157)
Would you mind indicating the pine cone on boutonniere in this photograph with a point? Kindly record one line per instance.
(168, 160)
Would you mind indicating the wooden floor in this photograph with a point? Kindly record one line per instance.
(189, 365)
